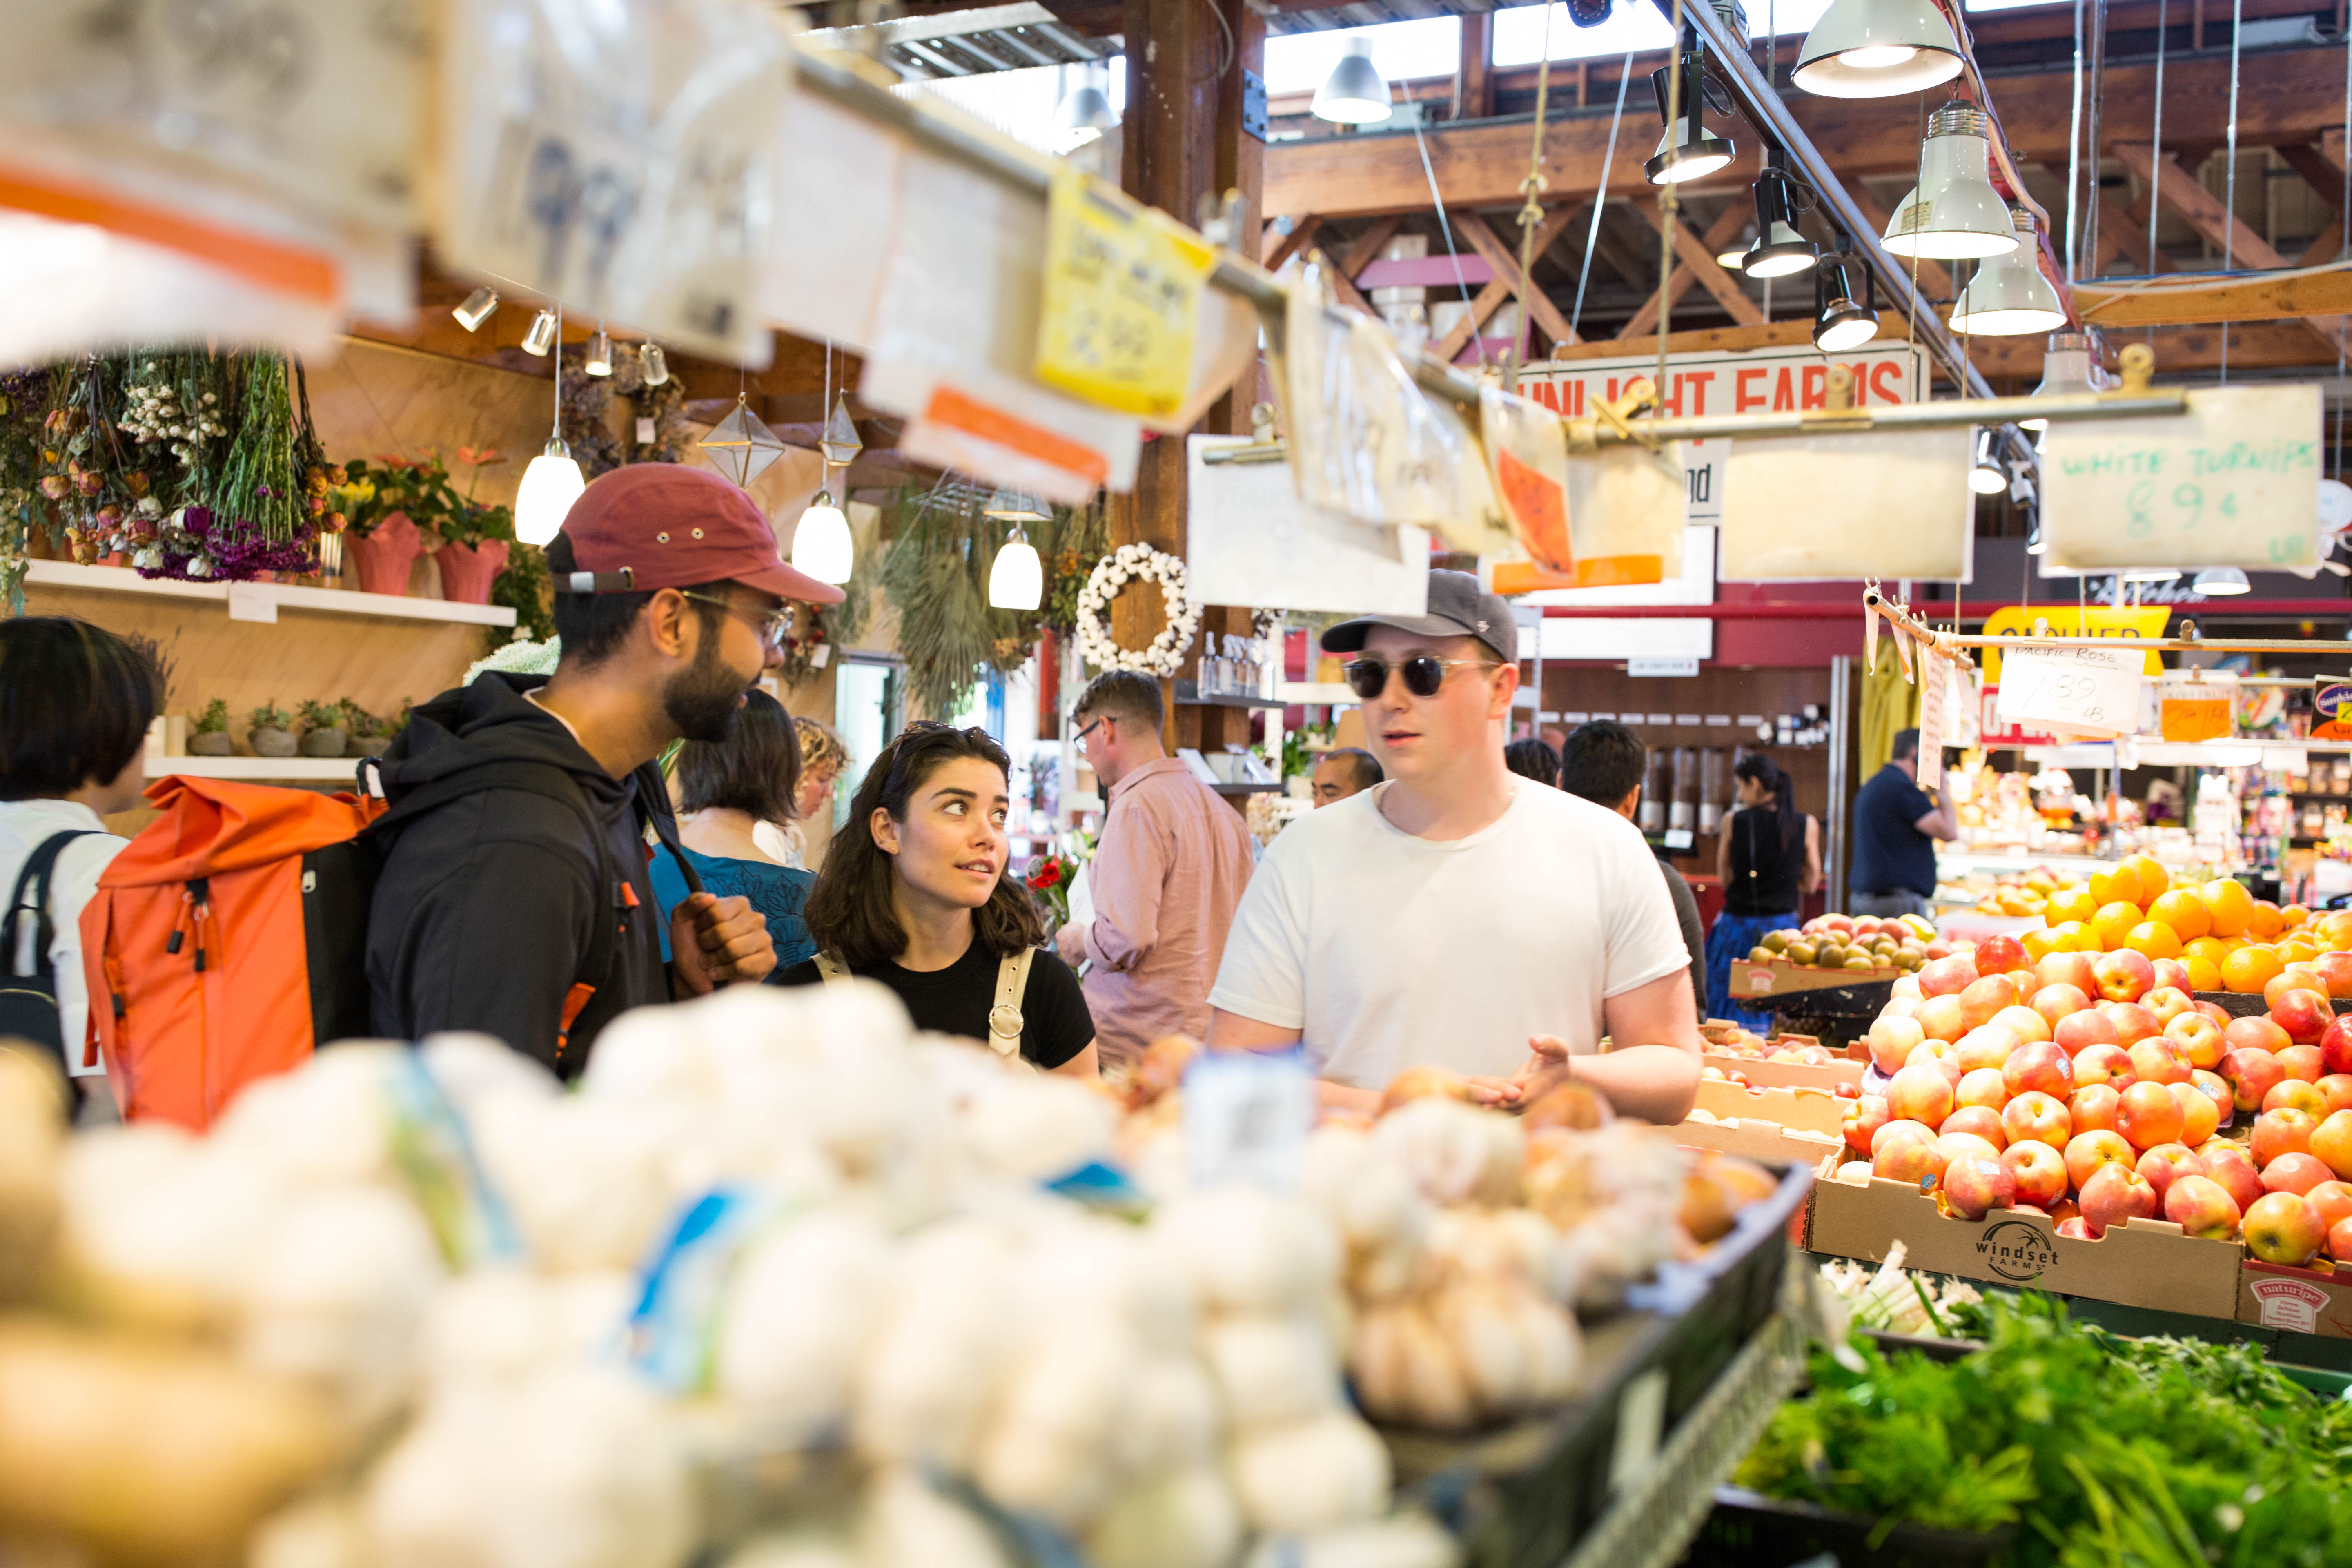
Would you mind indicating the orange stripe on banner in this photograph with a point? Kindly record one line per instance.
(1599, 572)
(288, 269)
(953, 409)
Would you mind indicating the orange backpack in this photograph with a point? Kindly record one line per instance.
(211, 956)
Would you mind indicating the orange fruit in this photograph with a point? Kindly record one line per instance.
(2039, 944)
(2250, 968)
(2295, 915)
(2184, 912)
(2119, 885)
(2151, 876)
(2228, 902)
(2204, 975)
(2153, 939)
(2114, 923)
(2334, 930)
(2076, 936)
(2069, 904)
(2212, 949)
(2264, 921)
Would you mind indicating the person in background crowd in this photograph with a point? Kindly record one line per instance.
(1456, 916)
(1167, 874)
(1604, 762)
(1533, 759)
(75, 704)
(1769, 855)
(1342, 772)
(1896, 827)
(914, 894)
(822, 758)
(668, 595)
(726, 789)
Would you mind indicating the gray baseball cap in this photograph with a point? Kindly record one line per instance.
(1457, 608)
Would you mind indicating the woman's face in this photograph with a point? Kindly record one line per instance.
(1753, 793)
(814, 791)
(951, 846)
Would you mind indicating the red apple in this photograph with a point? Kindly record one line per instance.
(2336, 1046)
(1987, 996)
(2332, 1141)
(1905, 989)
(2255, 1033)
(2165, 1163)
(2296, 1173)
(2079, 970)
(2064, 1208)
(2335, 1087)
(2035, 1116)
(2056, 1002)
(2041, 1065)
(2158, 1060)
(2173, 974)
(2113, 1195)
(2093, 1107)
(1892, 1132)
(1981, 1087)
(2216, 1088)
(2132, 1022)
(2227, 1164)
(2199, 1037)
(2021, 1021)
(1845, 1090)
(2104, 1064)
(2252, 1074)
(1981, 1121)
(2276, 1132)
(1906, 1161)
(2304, 1015)
(1999, 955)
(2301, 1062)
(1892, 1040)
(1864, 1118)
(2166, 1003)
(1975, 1185)
(2215, 1011)
(2201, 1206)
(2124, 975)
(2086, 1152)
(1942, 1018)
(2034, 1209)
(2148, 1116)
(1947, 976)
(2077, 1031)
(2281, 1228)
(2335, 969)
(1950, 1146)
(2039, 1170)
(1920, 1093)
(2293, 977)
(2076, 1228)
(2200, 1117)
(1940, 948)
(2339, 1241)
(1986, 1045)
(2302, 1096)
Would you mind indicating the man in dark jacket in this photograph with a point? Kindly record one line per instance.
(515, 898)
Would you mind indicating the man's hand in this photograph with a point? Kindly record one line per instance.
(716, 941)
(1070, 942)
(1546, 1065)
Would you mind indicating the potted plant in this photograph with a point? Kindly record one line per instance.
(323, 730)
(476, 538)
(270, 731)
(208, 734)
(391, 506)
(368, 735)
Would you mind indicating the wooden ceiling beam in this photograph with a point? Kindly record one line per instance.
(1505, 260)
(1281, 248)
(2173, 186)
(1678, 283)
(2225, 297)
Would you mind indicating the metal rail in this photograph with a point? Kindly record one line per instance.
(1876, 602)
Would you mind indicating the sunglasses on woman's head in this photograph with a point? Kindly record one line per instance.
(1424, 673)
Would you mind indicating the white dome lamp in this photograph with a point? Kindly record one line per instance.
(1845, 317)
(1686, 151)
(2010, 297)
(1954, 214)
(2216, 580)
(1877, 49)
(2065, 371)
(1355, 93)
(1084, 113)
(820, 543)
(1016, 579)
(553, 481)
(1989, 476)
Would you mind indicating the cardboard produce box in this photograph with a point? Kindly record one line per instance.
(1767, 1074)
(1807, 1109)
(2146, 1263)
(2301, 1301)
(1754, 1138)
(1782, 978)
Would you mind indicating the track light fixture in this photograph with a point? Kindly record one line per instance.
(478, 307)
(1989, 476)
(1685, 152)
(1845, 315)
(1780, 250)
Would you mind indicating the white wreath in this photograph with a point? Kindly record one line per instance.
(1114, 572)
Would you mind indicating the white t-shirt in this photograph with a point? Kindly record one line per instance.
(1389, 952)
(24, 824)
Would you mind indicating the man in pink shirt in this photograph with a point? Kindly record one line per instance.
(1166, 877)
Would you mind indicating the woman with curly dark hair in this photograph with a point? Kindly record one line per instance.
(914, 894)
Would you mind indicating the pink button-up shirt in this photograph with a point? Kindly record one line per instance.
(1166, 879)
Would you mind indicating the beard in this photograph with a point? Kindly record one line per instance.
(703, 699)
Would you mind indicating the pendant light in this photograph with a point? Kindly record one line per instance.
(1877, 49)
(820, 543)
(1084, 113)
(2148, 575)
(2065, 371)
(2221, 580)
(478, 309)
(1016, 578)
(2008, 297)
(598, 360)
(1989, 478)
(1953, 214)
(652, 365)
(1780, 250)
(1685, 152)
(1355, 93)
(1845, 317)
(544, 329)
(553, 481)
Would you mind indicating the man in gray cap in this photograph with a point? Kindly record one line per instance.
(1449, 917)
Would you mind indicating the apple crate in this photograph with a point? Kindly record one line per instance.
(1779, 977)
(2295, 1301)
(1762, 1072)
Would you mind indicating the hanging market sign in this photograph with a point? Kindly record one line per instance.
(2331, 704)
(2073, 621)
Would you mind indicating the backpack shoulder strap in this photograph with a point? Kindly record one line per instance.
(32, 892)
(1005, 1019)
(830, 968)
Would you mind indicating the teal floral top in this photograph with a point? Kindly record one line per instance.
(779, 893)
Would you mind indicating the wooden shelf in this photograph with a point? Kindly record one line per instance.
(258, 769)
(1328, 693)
(282, 595)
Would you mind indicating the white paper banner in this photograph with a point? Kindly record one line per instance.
(1885, 504)
(1249, 540)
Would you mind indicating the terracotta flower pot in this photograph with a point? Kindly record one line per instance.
(467, 570)
(384, 556)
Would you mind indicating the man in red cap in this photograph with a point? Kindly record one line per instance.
(515, 898)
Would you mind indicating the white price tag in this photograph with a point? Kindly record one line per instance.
(252, 602)
(2093, 689)
(646, 434)
(1246, 1117)
(1933, 700)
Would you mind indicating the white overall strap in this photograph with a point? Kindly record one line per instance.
(831, 970)
(1004, 1018)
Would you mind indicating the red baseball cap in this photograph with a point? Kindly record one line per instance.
(666, 526)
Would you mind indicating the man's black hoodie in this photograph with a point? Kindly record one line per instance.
(483, 918)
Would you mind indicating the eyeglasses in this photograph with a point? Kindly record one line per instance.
(1424, 673)
(1079, 738)
(773, 625)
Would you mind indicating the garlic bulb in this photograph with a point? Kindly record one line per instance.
(1271, 1369)
(337, 1294)
(1456, 1152)
(322, 1532)
(331, 1122)
(908, 1525)
(798, 1311)
(1406, 1371)
(1173, 1419)
(163, 1228)
(1246, 1251)
(1401, 1540)
(1186, 1518)
(799, 1549)
(1039, 1127)
(1050, 1445)
(583, 1177)
(1304, 1475)
(945, 1326)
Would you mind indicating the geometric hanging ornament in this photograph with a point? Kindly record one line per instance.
(742, 446)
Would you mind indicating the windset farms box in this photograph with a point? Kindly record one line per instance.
(2144, 1263)
(2300, 1301)
(1782, 978)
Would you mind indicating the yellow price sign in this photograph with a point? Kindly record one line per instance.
(1122, 297)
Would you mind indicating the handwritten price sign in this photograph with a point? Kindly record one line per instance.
(1122, 300)
(2078, 689)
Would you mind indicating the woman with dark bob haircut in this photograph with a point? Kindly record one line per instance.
(914, 894)
(725, 790)
(75, 704)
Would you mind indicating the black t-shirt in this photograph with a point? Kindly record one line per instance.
(1890, 855)
(1055, 1022)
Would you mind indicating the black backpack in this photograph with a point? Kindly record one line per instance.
(28, 1002)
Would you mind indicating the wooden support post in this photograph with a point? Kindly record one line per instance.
(1473, 82)
(1285, 246)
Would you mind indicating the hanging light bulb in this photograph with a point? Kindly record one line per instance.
(1989, 478)
(599, 360)
(1877, 49)
(1017, 580)
(1780, 250)
(1685, 152)
(2065, 371)
(1355, 93)
(553, 481)
(2034, 543)
(2221, 580)
(652, 365)
(1845, 317)
(2008, 297)
(1954, 214)
(2148, 575)
(1084, 113)
(821, 542)
(542, 336)
(1732, 257)
(478, 309)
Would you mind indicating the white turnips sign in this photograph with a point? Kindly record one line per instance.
(1114, 572)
